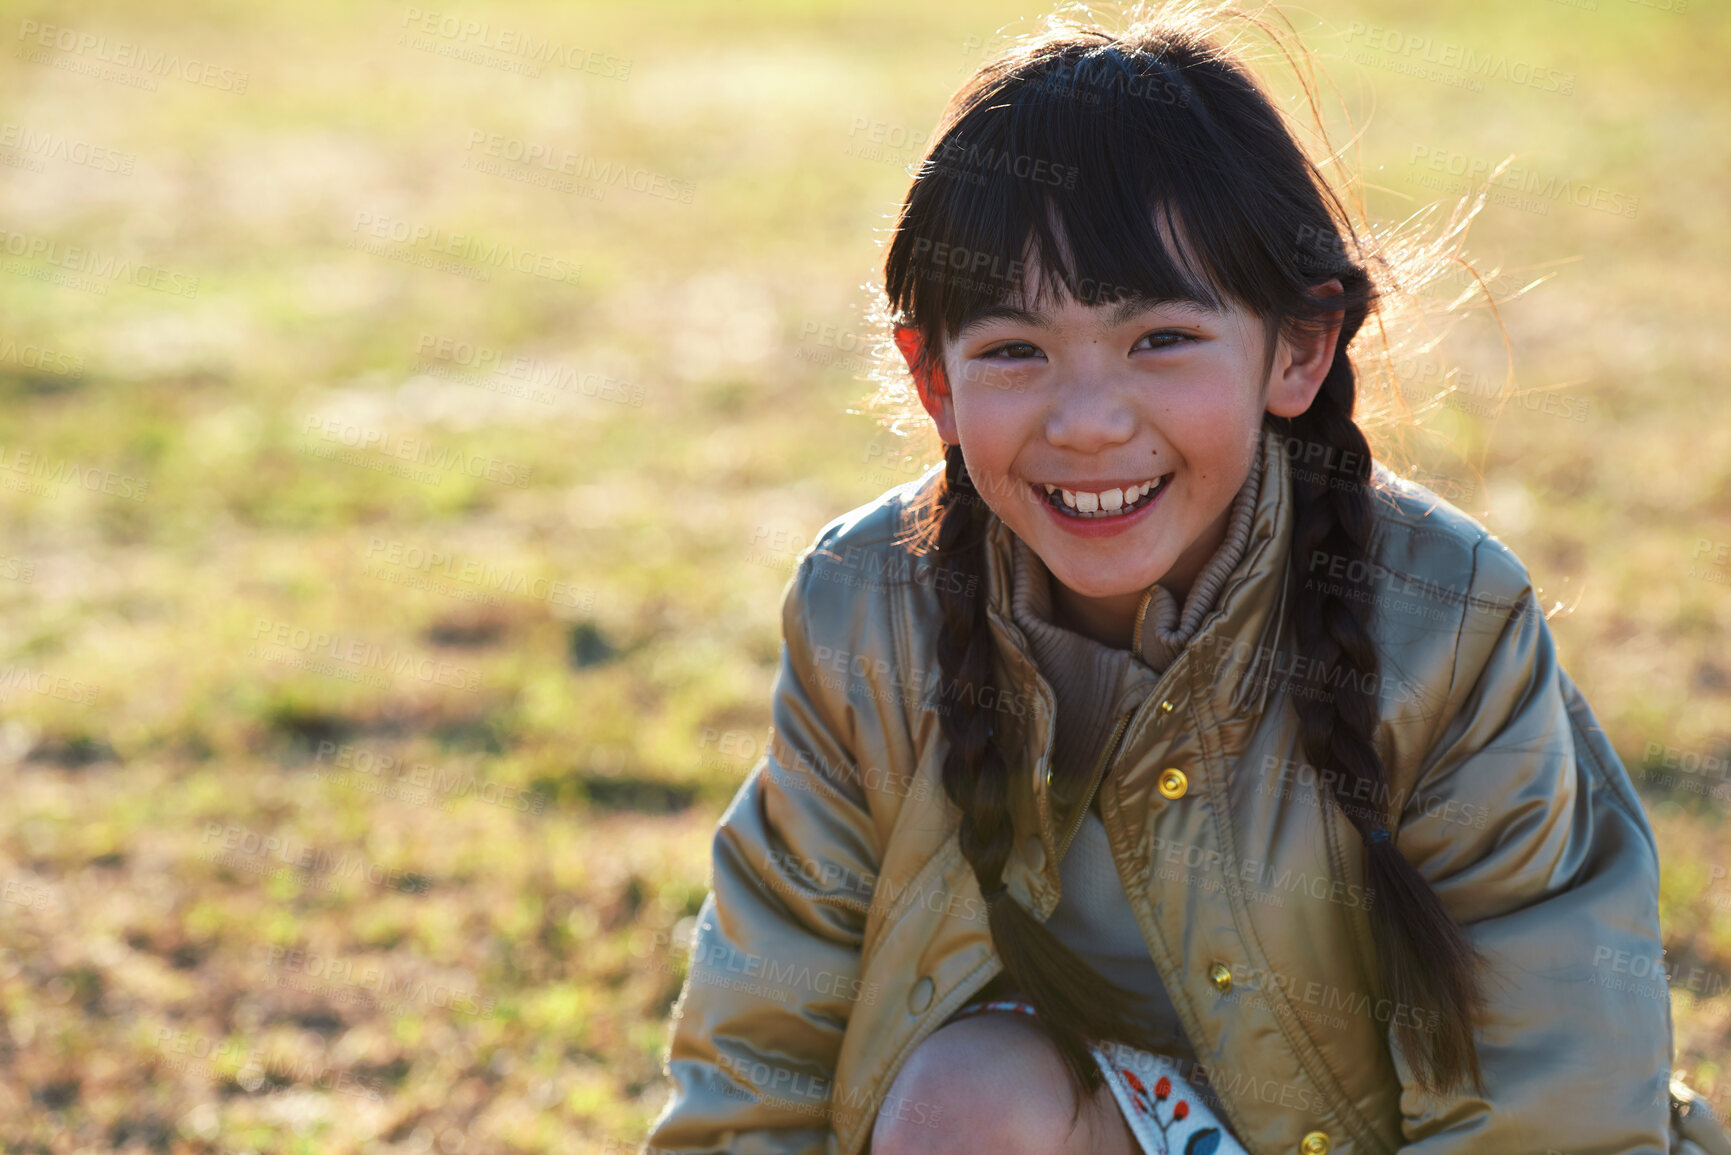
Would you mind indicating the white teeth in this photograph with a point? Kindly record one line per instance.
(1107, 503)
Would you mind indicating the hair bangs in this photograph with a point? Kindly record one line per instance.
(1092, 175)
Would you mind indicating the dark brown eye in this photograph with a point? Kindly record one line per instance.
(1014, 350)
(1164, 339)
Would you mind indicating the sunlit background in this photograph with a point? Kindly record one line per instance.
(411, 417)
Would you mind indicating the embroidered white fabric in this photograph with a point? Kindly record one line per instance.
(1163, 1111)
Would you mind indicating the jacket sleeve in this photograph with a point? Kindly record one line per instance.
(1525, 823)
(774, 963)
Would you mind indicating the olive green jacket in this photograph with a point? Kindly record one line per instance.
(844, 925)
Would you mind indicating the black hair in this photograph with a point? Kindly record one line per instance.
(1151, 165)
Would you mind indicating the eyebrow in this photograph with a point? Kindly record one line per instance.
(1041, 319)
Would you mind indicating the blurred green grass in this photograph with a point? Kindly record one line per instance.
(611, 721)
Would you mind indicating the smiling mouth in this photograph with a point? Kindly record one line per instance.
(1085, 505)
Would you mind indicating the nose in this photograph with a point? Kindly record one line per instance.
(1090, 413)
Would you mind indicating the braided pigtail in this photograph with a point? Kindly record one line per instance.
(1075, 1003)
(1425, 961)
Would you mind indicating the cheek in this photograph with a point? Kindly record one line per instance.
(990, 424)
(1217, 443)
(1209, 417)
(993, 434)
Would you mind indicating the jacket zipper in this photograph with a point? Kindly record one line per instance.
(1099, 774)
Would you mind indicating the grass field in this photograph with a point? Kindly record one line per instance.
(405, 444)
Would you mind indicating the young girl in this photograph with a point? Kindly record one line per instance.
(1162, 774)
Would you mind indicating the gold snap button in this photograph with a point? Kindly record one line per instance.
(921, 996)
(1173, 783)
(1315, 1143)
(1166, 706)
(1036, 854)
(1221, 976)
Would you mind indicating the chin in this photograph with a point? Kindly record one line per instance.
(1091, 583)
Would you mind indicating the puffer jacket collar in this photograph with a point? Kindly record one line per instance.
(1235, 654)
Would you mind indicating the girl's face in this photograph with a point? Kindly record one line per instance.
(1148, 415)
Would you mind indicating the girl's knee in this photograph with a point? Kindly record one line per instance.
(992, 1082)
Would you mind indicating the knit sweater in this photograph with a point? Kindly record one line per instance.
(1094, 685)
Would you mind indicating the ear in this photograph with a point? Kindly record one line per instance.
(931, 382)
(1300, 366)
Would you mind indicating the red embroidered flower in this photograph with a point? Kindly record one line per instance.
(1130, 1077)
(1163, 1088)
(1181, 1110)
